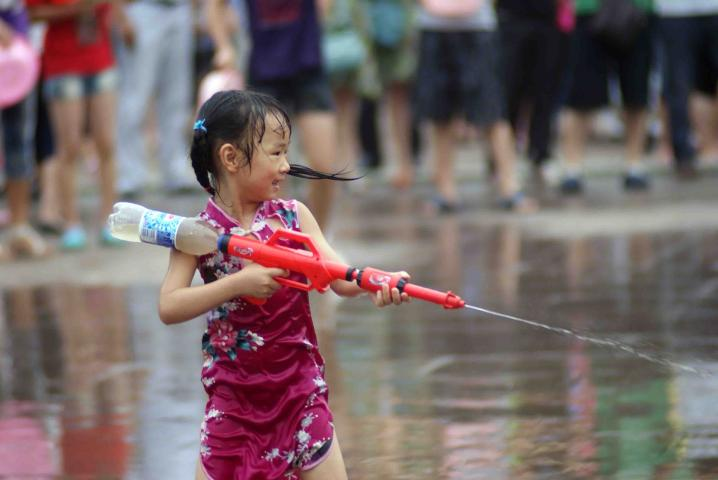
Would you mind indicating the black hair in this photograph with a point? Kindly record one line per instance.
(238, 117)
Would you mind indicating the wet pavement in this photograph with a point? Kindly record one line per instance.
(93, 385)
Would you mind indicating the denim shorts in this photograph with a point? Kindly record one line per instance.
(73, 85)
(17, 123)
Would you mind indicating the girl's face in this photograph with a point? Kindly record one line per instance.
(270, 164)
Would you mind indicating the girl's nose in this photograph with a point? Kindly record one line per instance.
(284, 167)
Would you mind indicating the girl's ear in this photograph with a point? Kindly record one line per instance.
(229, 157)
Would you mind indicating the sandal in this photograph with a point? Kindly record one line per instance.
(518, 203)
(24, 241)
(444, 205)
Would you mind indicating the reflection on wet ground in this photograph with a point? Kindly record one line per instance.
(92, 385)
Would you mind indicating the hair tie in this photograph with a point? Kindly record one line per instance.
(199, 125)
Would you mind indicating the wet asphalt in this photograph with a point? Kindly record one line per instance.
(93, 385)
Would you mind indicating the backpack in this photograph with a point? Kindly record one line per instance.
(618, 22)
(388, 22)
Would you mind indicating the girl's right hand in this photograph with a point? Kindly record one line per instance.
(258, 281)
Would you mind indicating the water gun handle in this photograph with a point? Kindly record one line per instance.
(318, 272)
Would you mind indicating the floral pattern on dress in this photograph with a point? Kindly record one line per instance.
(212, 414)
(222, 337)
(304, 451)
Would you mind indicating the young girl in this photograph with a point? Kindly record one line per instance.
(79, 86)
(267, 415)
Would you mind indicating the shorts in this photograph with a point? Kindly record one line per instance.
(73, 86)
(305, 92)
(591, 63)
(395, 64)
(706, 76)
(18, 125)
(459, 76)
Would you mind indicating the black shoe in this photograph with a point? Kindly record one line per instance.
(571, 186)
(635, 182)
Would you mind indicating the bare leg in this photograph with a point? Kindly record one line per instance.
(68, 119)
(442, 140)
(347, 127)
(704, 114)
(199, 472)
(332, 468)
(574, 130)
(400, 117)
(318, 130)
(102, 119)
(503, 148)
(48, 209)
(635, 136)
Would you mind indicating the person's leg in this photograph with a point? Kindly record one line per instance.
(199, 471)
(102, 121)
(503, 149)
(442, 144)
(18, 127)
(516, 36)
(679, 70)
(397, 98)
(67, 115)
(369, 138)
(332, 468)
(347, 127)
(587, 91)
(636, 122)
(573, 134)
(544, 92)
(174, 99)
(138, 71)
(318, 132)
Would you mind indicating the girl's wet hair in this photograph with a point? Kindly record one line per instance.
(238, 117)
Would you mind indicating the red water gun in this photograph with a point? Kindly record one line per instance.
(320, 273)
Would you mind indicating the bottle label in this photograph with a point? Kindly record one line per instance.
(159, 228)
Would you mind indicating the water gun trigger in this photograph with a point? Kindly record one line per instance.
(315, 281)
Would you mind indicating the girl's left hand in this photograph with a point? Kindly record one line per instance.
(385, 296)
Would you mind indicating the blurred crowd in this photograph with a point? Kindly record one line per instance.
(369, 84)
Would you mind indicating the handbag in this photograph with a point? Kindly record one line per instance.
(343, 50)
(617, 23)
(452, 8)
(388, 22)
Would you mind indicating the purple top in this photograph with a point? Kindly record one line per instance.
(267, 414)
(285, 38)
(13, 12)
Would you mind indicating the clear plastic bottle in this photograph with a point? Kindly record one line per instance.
(135, 223)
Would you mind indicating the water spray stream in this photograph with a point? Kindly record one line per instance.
(598, 341)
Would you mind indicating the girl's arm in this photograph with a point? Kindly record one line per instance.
(219, 30)
(343, 288)
(179, 301)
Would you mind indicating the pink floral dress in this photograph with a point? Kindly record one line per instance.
(267, 415)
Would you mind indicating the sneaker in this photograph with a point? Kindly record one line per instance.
(635, 182)
(108, 240)
(571, 185)
(73, 239)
